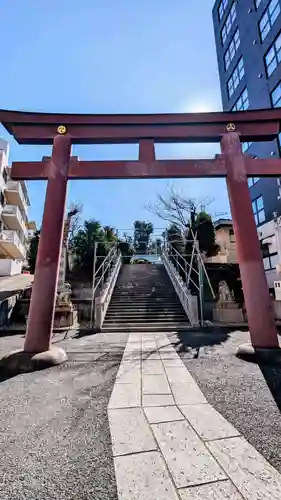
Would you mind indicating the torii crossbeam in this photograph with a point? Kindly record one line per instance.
(62, 130)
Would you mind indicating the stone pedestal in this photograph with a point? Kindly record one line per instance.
(64, 311)
(228, 312)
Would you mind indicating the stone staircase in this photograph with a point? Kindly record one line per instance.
(144, 300)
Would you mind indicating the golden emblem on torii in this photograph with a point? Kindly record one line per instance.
(61, 129)
(230, 127)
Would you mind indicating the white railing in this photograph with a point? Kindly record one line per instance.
(103, 300)
(12, 237)
(188, 301)
(14, 210)
(16, 186)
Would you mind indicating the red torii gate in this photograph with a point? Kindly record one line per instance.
(62, 130)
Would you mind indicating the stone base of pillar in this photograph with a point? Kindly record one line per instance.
(259, 355)
(23, 362)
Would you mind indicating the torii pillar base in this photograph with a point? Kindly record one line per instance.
(263, 331)
(269, 355)
(18, 362)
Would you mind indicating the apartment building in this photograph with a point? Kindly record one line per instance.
(248, 43)
(225, 238)
(14, 204)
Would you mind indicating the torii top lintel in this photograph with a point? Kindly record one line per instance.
(41, 128)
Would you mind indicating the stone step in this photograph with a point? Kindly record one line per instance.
(141, 314)
(143, 320)
(145, 327)
(129, 306)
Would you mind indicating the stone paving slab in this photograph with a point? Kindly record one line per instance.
(174, 362)
(155, 384)
(221, 490)
(207, 422)
(157, 414)
(143, 477)
(152, 367)
(187, 392)
(187, 458)
(150, 355)
(125, 396)
(171, 442)
(254, 477)
(130, 432)
(158, 400)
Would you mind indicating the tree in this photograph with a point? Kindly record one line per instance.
(82, 245)
(74, 218)
(126, 250)
(187, 221)
(32, 251)
(142, 233)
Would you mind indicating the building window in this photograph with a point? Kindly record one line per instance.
(269, 17)
(228, 23)
(236, 77)
(270, 261)
(258, 209)
(242, 102)
(252, 181)
(273, 56)
(276, 96)
(232, 49)
(222, 7)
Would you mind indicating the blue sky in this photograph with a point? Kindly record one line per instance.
(111, 56)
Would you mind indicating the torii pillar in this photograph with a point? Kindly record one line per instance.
(261, 322)
(37, 352)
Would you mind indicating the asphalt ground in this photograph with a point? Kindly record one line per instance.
(248, 395)
(54, 434)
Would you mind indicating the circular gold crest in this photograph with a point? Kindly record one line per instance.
(230, 127)
(61, 129)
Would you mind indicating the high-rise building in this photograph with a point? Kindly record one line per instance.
(248, 43)
(14, 204)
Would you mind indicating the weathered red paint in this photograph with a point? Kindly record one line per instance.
(40, 128)
(42, 306)
(124, 169)
(258, 305)
(149, 168)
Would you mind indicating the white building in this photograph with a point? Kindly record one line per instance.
(14, 204)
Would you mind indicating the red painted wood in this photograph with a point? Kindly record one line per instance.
(44, 289)
(256, 294)
(126, 134)
(147, 151)
(257, 115)
(269, 167)
(124, 170)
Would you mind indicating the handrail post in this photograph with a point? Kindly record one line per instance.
(93, 283)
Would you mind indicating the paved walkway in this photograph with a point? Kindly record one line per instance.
(169, 443)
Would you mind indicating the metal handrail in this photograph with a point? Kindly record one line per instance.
(104, 266)
(110, 257)
(180, 288)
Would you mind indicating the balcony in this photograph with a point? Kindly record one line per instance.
(13, 219)
(15, 196)
(11, 246)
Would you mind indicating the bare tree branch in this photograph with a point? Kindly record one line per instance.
(75, 222)
(176, 208)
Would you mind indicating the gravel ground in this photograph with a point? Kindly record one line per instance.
(54, 434)
(246, 394)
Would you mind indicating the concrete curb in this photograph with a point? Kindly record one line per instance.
(22, 362)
